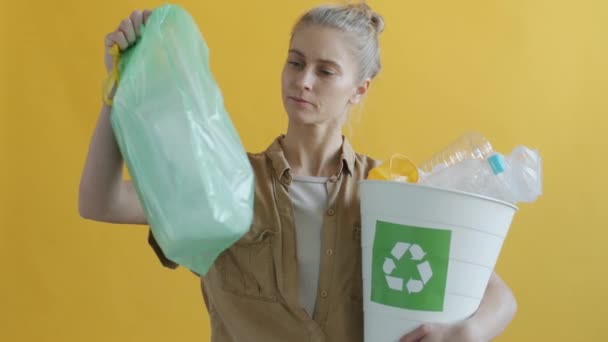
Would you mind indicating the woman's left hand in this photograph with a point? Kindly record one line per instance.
(441, 332)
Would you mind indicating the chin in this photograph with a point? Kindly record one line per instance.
(300, 117)
(304, 118)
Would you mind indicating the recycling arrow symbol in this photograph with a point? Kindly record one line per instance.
(416, 254)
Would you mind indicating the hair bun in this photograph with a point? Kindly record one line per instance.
(377, 22)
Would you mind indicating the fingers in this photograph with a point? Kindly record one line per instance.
(128, 31)
(126, 27)
(146, 14)
(108, 40)
(416, 335)
(117, 37)
(137, 19)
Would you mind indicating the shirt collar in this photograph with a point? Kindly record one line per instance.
(281, 166)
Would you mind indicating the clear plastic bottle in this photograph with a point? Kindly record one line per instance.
(525, 178)
(490, 177)
(471, 145)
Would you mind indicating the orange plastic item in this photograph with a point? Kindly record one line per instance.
(397, 168)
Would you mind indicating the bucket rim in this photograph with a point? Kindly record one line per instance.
(492, 199)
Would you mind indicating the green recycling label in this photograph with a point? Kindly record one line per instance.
(410, 266)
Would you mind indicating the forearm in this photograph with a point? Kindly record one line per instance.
(495, 312)
(102, 172)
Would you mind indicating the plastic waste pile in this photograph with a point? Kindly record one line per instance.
(471, 164)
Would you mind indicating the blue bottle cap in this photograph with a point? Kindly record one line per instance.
(497, 163)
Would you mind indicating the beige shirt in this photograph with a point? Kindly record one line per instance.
(251, 291)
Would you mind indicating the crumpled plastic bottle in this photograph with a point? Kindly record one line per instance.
(471, 145)
(514, 178)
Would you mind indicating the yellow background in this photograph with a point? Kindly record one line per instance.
(521, 71)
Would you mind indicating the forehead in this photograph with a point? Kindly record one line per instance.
(322, 43)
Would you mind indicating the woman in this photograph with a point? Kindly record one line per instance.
(296, 275)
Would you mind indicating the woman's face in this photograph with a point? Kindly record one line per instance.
(319, 79)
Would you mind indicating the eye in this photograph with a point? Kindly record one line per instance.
(327, 72)
(295, 64)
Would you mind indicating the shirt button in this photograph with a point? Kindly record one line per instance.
(331, 212)
(329, 252)
(323, 294)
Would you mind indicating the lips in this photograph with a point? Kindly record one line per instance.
(299, 100)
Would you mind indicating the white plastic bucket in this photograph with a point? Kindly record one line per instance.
(428, 254)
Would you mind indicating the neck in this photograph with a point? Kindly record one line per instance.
(312, 150)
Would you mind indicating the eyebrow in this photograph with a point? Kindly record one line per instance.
(326, 61)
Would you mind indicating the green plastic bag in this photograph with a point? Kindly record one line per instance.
(187, 163)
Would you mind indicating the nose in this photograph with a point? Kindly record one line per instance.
(305, 80)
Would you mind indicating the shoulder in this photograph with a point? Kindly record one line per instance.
(257, 159)
(261, 164)
(366, 160)
(364, 163)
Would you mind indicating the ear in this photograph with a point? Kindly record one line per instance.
(360, 92)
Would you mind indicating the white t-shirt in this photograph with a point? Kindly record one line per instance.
(309, 197)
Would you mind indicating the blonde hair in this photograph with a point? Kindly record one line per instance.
(364, 26)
